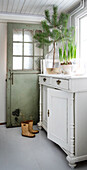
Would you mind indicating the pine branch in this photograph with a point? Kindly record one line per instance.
(45, 27)
(54, 16)
(47, 16)
(63, 19)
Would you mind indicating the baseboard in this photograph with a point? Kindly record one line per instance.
(4, 123)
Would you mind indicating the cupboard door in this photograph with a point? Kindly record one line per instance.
(59, 108)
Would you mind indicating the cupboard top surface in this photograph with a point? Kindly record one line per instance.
(64, 76)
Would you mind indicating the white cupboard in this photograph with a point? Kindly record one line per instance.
(63, 113)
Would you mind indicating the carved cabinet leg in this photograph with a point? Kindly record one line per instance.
(72, 164)
(39, 125)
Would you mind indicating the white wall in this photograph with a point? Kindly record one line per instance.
(3, 56)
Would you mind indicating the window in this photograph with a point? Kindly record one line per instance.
(26, 55)
(83, 40)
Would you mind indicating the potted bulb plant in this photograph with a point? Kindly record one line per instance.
(54, 30)
(67, 53)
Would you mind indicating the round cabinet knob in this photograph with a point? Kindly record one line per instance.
(44, 79)
(58, 82)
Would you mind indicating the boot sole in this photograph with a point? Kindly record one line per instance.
(28, 136)
(35, 133)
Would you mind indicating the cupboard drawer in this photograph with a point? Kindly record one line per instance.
(60, 83)
(44, 80)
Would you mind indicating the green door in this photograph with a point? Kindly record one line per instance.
(23, 66)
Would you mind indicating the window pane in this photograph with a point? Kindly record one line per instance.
(83, 42)
(28, 36)
(83, 36)
(17, 35)
(37, 51)
(17, 63)
(36, 63)
(28, 49)
(17, 48)
(28, 62)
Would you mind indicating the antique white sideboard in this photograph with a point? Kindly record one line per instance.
(63, 113)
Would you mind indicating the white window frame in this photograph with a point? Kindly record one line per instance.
(77, 27)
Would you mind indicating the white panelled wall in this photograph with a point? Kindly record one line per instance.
(3, 56)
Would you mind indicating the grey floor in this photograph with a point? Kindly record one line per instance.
(39, 153)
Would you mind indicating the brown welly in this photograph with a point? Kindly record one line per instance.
(31, 127)
(25, 130)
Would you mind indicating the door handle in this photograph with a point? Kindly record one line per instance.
(12, 78)
(48, 113)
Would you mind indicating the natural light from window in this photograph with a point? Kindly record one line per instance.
(83, 41)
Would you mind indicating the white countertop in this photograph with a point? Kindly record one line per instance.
(64, 76)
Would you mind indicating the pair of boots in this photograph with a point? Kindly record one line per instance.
(27, 129)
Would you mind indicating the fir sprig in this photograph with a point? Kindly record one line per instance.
(54, 30)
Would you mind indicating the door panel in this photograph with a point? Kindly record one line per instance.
(24, 96)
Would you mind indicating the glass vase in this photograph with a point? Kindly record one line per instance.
(52, 67)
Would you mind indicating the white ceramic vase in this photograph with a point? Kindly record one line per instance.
(66, 69)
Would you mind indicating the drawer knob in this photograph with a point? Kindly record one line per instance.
(44, 79)
(58, 82)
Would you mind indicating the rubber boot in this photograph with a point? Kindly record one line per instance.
(25, 130)
(31, 130)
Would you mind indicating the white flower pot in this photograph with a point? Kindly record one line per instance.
(66, 69)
